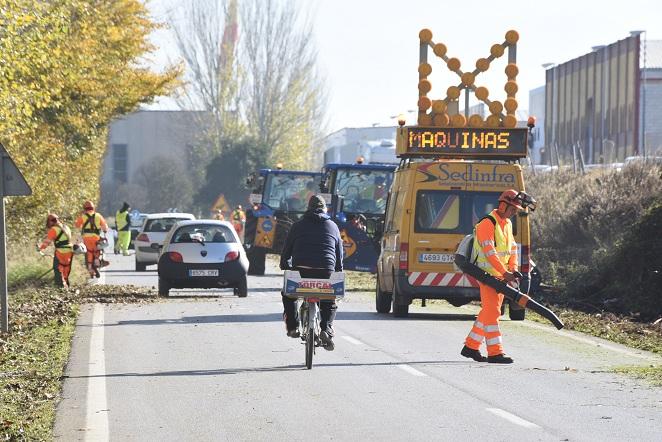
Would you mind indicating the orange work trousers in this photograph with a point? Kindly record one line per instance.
(93, 254)
(64, 265)
(487, 324)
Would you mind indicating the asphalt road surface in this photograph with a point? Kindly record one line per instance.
(206, 365)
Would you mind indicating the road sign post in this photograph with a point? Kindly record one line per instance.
(12, 183)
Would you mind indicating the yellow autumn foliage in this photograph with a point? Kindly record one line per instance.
(68, 68)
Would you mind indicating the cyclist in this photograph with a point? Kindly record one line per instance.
(315, 248)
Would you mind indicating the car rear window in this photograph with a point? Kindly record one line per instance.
(161, 224)
(212, 233)
(442, 211)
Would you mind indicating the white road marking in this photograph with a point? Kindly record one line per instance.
(96, 417)
(352, 340)
(410, 370)
(512, 418)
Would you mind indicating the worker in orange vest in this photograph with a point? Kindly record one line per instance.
(239, 220)
(496, 253)
(60, 236)
(92, 224)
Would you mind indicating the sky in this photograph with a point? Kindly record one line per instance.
(368, 49)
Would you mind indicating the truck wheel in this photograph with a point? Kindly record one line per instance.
(140, 267)
(257, 257)
(399, 310)
(516, 314)
(164, 287)
(382, 299)
(242, 288)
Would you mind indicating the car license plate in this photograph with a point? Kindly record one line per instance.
(444, 258)
(208, 272)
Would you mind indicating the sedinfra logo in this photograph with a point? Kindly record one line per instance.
(474, 174)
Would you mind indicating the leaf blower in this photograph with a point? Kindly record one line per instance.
(508, 292)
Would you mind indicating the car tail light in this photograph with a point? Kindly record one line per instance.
(231, 256)
(175, 256)
(404, 256)
(526, 260)
(142, 237)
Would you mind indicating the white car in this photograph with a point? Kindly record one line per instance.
(203, 254)
(149, 241)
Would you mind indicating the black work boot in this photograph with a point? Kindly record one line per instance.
(500, 359)
(327, 341)
(472, 354)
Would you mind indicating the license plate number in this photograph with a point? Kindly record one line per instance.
(444, 258)
(210, 272)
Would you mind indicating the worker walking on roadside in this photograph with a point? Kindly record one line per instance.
(92, 224)
(123, 224)
(218, 215)
(495, 252)
(60, 236)
(238, 217)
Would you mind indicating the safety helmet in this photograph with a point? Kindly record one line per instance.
(519, 200)
(238, 207)
(52, 219)
(88, 205)
(102, 243)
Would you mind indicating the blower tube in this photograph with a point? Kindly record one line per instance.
(508, 292)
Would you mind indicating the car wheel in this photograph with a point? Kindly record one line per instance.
(242, 288)
(383, 300)
(399, 310)
(516, 314)
(140, 267)
(164, 287)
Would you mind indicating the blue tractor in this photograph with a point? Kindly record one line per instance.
(358, 194)
(278, 199)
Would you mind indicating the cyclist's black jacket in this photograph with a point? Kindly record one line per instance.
(314, 241)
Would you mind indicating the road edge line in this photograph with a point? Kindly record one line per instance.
(96, 416)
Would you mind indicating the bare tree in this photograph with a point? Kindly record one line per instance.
(206, 35)
(284, 103)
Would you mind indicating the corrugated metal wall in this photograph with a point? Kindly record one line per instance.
(592, 101)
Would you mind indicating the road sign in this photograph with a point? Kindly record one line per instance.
(11, 184)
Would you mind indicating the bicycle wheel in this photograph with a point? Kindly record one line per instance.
(310, 348)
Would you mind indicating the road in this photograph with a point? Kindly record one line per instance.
(210, 366)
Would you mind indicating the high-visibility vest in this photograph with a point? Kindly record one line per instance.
(238, 215)
(503, 240)
(122, 221)
(91, 225)
(62, 241)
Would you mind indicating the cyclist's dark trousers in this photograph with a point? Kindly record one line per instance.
(327, 308)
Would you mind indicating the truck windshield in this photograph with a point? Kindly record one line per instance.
(289, 191)
(440, 211)
(364, 191)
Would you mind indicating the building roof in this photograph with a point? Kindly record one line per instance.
(653, 54)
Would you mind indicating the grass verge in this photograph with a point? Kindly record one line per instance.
(33, 355)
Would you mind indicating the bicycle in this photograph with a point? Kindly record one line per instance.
(308, 293)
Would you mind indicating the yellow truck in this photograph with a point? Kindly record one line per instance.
(453, 169)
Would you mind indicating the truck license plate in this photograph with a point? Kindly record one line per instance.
(209, 272)
(444, 258)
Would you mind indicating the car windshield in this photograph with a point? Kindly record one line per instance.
(204, 233)
(440, 211)
(161, 224)
(290, 192)
(364, 191)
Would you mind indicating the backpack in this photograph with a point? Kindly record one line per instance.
(465, 248)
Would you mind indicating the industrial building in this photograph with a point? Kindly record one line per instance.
(601, 106)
